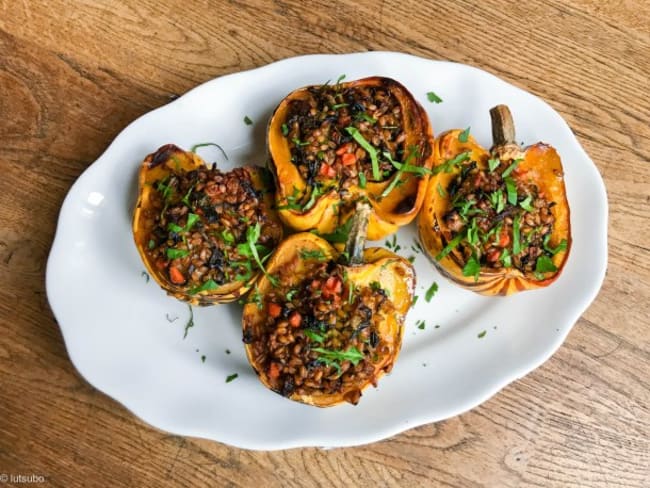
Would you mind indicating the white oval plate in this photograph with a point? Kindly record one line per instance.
(122, 333)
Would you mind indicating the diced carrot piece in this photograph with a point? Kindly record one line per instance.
(504, 239)
(274, 310)
(348, 159)
(327, 171)
(342, 150)
(176, 276)
(274, 370)
(295, 319)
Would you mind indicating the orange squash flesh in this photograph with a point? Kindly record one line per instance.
(540, 165)
(293, 263)
(171, 160)
(336, 205)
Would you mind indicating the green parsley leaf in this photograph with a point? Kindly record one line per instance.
(312, 254)
(415, 300)
(340, 105)
(252, 235)
(207, 286)
(314, 336)
(340, 235)
(481, 334)
(364, 116)
(506, 258)
(511, 167)
(560, 247)
(362, 180)
(462, 137)
(511, 188)
(145, 275)
(340, 79)
(176, 253)
(405, 167)
(421, 324)
(433, 98)
(227, 236)
(231, 377)
(190, 322)
(191, 220)
(441, 191)
(472, 268)
(205, 144)
(492, 164)
(247, 120)
(525, 204)
(285, 130)
(151, 244)
(433, 289)
(449, 165)
(544, 265)
(450, 247)
(516, 235)
(372, 152)
(352, 354)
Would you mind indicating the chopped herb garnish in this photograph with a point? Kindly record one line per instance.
(334, 358)
(340, 235)
(462, 137)
(204, 144)
(450, 247)
(421, 324)
(366, 117)
(415, 300)
(511, 167)
(191, 220)
(340, 79)
(312, 254)
(285, 129)
(231, 377)
(481, 334)
(227, 236)
(176, 253)
(449, 165)
(498, 201)
(525, 204)
(516, 235)
(492, 164)
(511, 188)
(314, 336)
(290, 294)
(339, 105)
(545, 265)
(560, 247)
(145, 275)
(372, 152)
(433, 98)
(190, 322)
(362, 180)
(405, 166)
(207, 286)
(247, 120)
(203, 358)
(151, 244)
(298, 142)
(411, 259)
(433, 289)
(252, 236)
(506, 258)
(472, 268)
(441, 191)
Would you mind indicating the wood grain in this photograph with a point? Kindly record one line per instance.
(73, 74)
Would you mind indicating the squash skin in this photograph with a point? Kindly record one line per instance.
(541, 163)
(398, 208)
(394, 273)
(166, 160)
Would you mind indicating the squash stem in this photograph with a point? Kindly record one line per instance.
(503, 127)
(356, 242)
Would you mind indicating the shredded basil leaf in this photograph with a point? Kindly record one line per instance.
(433, 98)
(372, 152)
(462, 137)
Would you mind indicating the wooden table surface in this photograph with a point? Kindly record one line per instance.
(74, 74)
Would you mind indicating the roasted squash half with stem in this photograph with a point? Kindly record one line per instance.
(203, 235)
(321, 326)
(332, 145)
(497, 222)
